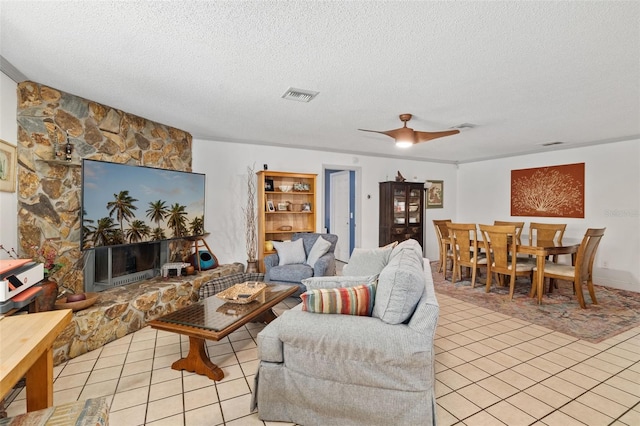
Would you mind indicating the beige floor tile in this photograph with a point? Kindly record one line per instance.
(99, 389)
(250, 367)
(579, 346)
(614, 359)
(546, 365)
(441, 389)
(547, 395)
(164, 374)
(545, 344)
(77, 368)
(625, 385)
(239, 334)
(585, 414)
(488, 365)
(173, 350)
(18, 407)
(519, 354)
(481, 348)
(445, 344)
(482, 419)
(236, 407)
(231, 372)
(207, 415)
(137, 367)
(165, 389)
(531, 372)
(495, 344)
(221, 349)
(498, 387)
(478, 395)
(443, 417)
(175, 420)
(515, 379)
(465, 354)
(624, 353)
(104, 374)
(193, 381)
(141, 345)
(140, 355)
(578, 379)
(225, 360)
(134, 381)
(586, 370)
(165, 361)
(449, 360)
(250, 354)
(460, 339)
(471, 372)
(171, 339)
(564, 387)
(452, 379)
(458, 405)
(530, 405)
(166, 407)
(88, 356)
(110, 361)
(72, 381)
(631, 418)
(628, 374)
(132, 416)
(603, 365)
(250, 420)
(558, 418)
(602, 404)
(572, 354)
(108, 351)
(232, 388)
(615, 394)
(509, 414)
(130, 398)
(200, 398)
(559, 359)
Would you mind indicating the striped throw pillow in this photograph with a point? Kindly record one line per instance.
(356, 300)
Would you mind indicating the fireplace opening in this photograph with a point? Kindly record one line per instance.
(107, 267)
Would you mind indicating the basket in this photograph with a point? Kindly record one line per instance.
(244, 293)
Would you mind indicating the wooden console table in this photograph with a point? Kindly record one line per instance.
(26, 350)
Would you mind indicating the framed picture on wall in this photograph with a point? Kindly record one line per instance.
(8, 165)
(435, 194)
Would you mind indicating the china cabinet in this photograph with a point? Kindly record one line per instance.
(401, 212)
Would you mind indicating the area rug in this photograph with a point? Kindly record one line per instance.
(617, 310)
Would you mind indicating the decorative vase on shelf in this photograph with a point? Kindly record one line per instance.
(46, 300)
(252, 266)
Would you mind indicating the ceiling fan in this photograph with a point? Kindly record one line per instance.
(406, 136)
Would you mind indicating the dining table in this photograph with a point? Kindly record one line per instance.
(543, 248)
(26, 350)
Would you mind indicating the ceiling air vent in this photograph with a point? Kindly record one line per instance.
(552, 143)
(299, 95)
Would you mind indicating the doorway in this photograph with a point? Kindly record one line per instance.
(341, 212)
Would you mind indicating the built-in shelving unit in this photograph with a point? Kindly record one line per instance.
(282, 213)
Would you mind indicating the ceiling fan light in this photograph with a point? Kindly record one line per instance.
(403, 143)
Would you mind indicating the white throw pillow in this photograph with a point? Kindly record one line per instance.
(367, 261)
(320, 247)
(290, 252)
(337, 281)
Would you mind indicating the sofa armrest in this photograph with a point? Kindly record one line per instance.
(337, 281)
(269, 262)
(325, 266)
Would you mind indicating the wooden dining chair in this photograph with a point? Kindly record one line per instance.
(501, 243)
(582, 271)
(442, 233)
(519, 227)
(464, 247)
(546, 231)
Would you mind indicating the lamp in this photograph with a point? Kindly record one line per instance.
(405, 137)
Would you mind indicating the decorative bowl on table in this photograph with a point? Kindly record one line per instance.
(62, 303)
(285, 188)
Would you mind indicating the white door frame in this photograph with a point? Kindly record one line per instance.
(358, 198)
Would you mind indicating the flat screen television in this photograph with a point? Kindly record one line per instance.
(127, 204)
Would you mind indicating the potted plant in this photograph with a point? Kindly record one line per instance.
(251, 219)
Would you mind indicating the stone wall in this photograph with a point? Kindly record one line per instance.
(123, 310)
(49, 186)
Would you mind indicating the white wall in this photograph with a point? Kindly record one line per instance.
(8, 133)
(612, 200)
(225, 165)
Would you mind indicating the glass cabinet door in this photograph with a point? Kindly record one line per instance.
(399, 205)
(413, 207)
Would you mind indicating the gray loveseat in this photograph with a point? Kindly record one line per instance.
(332, 369)
(293, 274)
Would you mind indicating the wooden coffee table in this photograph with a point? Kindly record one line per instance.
(213, 318)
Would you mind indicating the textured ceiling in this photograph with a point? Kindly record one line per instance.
(526, 73)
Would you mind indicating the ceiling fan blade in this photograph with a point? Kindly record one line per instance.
(392, 133)
(427, 136)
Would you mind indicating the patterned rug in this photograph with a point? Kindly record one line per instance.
(616, 311)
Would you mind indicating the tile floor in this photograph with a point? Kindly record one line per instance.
(491, 369)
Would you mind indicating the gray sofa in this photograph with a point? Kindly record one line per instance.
(331, 369)
(293, 274)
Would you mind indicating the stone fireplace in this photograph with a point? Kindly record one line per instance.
(49, 186)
